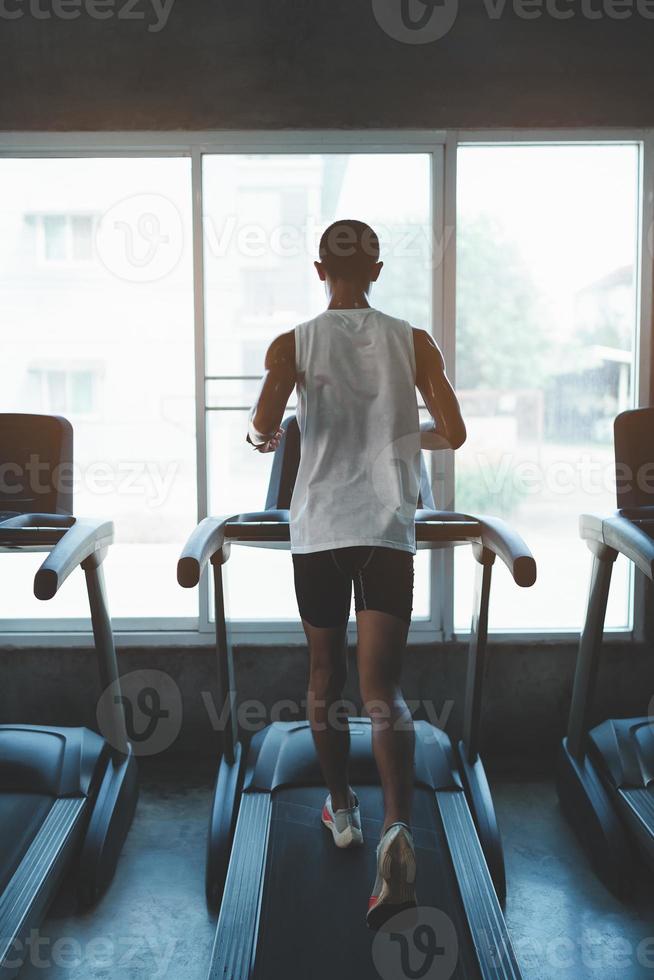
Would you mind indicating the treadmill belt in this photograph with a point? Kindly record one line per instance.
(312, 924)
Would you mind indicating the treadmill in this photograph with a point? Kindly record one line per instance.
(290, 903)
(605, 776)
(67, 795)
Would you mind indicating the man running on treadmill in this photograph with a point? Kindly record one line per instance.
(353, 523)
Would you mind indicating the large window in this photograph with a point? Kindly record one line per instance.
(96, 293)
(142, 279)
(546, 327)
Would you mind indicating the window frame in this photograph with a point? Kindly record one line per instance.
(442, 146)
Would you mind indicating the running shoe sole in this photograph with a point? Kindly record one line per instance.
(396, 878)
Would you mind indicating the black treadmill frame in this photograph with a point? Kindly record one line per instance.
(593, 767)
(91, 811)
(477, 856)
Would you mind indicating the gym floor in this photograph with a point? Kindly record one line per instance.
(153, 923)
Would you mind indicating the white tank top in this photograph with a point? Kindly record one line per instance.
(359, 473)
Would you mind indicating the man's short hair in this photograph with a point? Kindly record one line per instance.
(349, 249)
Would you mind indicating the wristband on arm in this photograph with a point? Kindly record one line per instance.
(256, 438)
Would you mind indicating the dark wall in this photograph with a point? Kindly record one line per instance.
(323, 63)
(525, 712)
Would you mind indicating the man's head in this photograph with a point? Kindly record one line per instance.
(349, 251)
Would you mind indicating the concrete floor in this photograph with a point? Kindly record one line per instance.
(564, 923)
(153, 923)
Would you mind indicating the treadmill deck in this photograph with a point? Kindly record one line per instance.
(305, 900)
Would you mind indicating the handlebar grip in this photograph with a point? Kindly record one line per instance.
(205, 540)
(508, 545)
(83, 539)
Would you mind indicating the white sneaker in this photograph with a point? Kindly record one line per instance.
(345, 825)
(394, 888)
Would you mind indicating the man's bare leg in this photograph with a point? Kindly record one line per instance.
(327, 715)
(380, 653)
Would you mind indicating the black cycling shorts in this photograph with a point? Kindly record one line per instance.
(382, 578)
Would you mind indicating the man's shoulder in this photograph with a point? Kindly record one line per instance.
(286, 339)
(282, 349)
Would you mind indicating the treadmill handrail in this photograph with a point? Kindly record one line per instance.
(33, 531)
(210, 535)
(82, 540)
(208, 538)
(49, 521)
(205, 540)
(494, 535)
(621, 534)
(507, 544)
(213, 533)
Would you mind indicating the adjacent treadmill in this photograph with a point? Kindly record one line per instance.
(606, 773)
(67, 795)
(292, 904)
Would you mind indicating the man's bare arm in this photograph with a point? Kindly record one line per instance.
(438, 394)
(276, 387)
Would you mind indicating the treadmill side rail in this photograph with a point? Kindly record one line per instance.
(238, 924)
(482, 809)
(637, 809)
(495, 953)
(26, 897)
